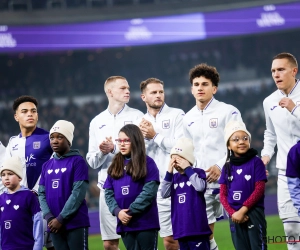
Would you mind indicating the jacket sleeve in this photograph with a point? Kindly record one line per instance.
(270, 138)
(74, 201)
(296, 112)
(167, 143)
(38, 231)
(111, 201)
(166, 185)
(198, 183)
(145, 198)
(94, 157)
(294, 189)
(43, 203)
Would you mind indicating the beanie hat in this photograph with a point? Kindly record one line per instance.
(232, 127)
(13, 164)
(184, 147)
(65, 128)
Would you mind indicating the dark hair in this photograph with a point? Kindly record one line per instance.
(206, 71)
(136, 167)
(288, 56)
(144, 84)
(24, 98)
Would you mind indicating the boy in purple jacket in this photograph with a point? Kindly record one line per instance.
(187, 188)
(63, 185)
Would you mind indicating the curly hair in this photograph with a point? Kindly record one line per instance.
(206, 71)
(22, 99)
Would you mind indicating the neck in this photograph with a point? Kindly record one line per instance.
(115, 107)
(153, 111)
(27, 131)
(10, 191)
(202, 105)
(287, 91)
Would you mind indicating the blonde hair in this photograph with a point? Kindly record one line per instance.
(111, 80)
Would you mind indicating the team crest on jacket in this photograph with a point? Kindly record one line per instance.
(166, 124)
(36, 145)
(213, 123)
(127, 122)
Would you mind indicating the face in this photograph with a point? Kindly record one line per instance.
(203, 90)
(154, 95)
(283, 74)
(124, 144)
(119, 91)
(59, 144)
(239, 143)
(26, 115)
(10, 180)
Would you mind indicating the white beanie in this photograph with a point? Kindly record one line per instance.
(233, 126)
(184, 147)
(13, 164)
(65, 128)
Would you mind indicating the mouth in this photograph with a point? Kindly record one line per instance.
(30, 120)
(7, 183)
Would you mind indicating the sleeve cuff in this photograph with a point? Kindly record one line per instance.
(117, 211)
(189, 171)
(158, 138)
(168, 177)
(60, 219)
(49, 217)
(292, 112)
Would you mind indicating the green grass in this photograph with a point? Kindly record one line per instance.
(222, 236)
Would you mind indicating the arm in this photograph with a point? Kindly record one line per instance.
(270, 138)
(145, 198)
(294, 189)
(224, 201)
(198, 183)
(167, 143)
(111, 201)
(166, 185)
(94, 157)
(256, 195)
(43, 203)
(38, 233)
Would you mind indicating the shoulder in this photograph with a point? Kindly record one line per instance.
(12, 139)
(134, 111)
(190, 113)
(174, 111)
(273, 97)
(41, 131)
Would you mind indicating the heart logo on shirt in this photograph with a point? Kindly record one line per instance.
(56, 170)
(63, 170)
(16, 207)
(247, 177)
(175, 185)
(2, 208)
(181, 184)
(50, 171)
(188, 183)
(239, 171)
(8, 201)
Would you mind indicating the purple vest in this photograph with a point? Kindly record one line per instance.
(126, 190)
(58, 176)
(188, 207)
(243, 182)
(17, 211)
(293, 161)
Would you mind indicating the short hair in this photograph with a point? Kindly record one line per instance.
(287, 56)
(206, 71)
(22, 99)
(112, 79)
(144, 84)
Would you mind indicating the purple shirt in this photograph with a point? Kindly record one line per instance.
(126, 190)
(16, 217)
(188, 207)
(293, 161)
(243, 182)
(58, 176)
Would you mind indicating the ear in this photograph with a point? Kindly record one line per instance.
(143, 97)
(16, 117)
(229, 148)
(295, 71)
(109, 93)
(215, 89)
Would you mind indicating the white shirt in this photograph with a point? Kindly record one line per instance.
(206, 129)
(282, 126)
(168, 127)
(105, 125)
(2, 153)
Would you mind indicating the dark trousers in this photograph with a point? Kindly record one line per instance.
(76, 239)
(250, 235)
(194, 243)
(140, 240)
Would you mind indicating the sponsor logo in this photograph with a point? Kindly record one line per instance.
(190, 124)
(125, 190)
(7, 224)
(237, 195)
(273, 107)
(102, 126)
(55, 183)
(181, 198)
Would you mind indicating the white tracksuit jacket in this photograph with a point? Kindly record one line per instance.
(206, 129)
(282, 126)
(168, 127)
(2, 153)
(105, 125)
